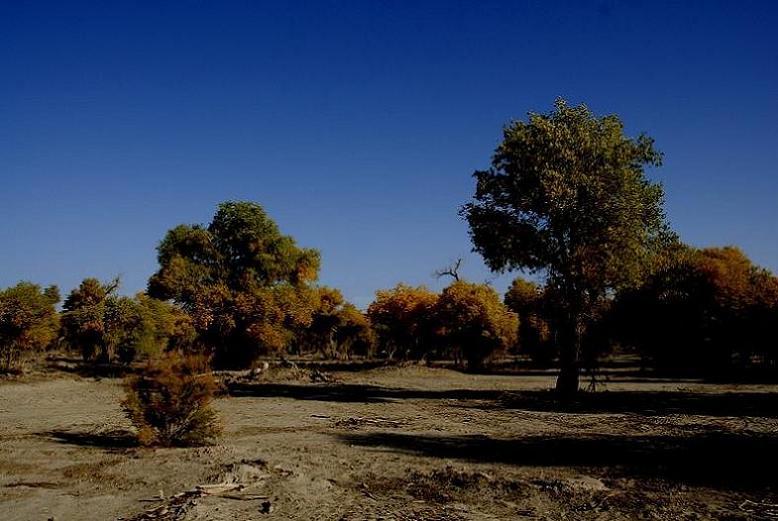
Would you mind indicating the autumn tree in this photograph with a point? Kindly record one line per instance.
(702, 311)
(474, 322)
(337, 328)
(83, 316)
(246, 285)
(527, 300)
(403, 319)
(107, 327)
(567, 197)
(28, 321)
(354, 334)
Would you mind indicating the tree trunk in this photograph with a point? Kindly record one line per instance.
(569, 357)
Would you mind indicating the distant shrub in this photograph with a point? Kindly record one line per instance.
(170, 403)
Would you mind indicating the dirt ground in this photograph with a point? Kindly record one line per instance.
(401, 443)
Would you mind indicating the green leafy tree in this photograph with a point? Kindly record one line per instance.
(567, 196)
(473, 321)
(28, 321)
(245, 285)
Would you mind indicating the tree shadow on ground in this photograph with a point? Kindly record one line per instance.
(89, 369)
(116, 439)
(649, 403)
(714, 459)
(353, 393)
(653, 403)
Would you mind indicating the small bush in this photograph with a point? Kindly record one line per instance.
(170, 403)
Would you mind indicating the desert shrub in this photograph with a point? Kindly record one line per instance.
(170, 402)
(28, 321)
(474, 322)
(403, 319)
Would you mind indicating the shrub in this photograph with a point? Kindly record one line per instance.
(170, 403)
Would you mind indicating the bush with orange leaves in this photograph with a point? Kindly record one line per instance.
(404, 322)
(170, 402)
(474, 323)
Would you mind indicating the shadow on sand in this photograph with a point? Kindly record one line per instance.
(652, 403)
(118, 439)
(719, 460)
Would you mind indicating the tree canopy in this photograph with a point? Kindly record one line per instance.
(28, 321)
(246, 285)
(567, 196)
(473, 321)
(701, 310)
(403, 320)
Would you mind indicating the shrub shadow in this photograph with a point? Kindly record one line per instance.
(117, 439)
(713, 459)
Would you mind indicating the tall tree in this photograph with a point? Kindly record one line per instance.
(246, 285)
(567, 196)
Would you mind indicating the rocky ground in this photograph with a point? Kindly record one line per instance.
(401, 443)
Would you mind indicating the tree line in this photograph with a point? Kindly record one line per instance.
(566, 199)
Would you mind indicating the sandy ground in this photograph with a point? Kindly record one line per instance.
(401, 444)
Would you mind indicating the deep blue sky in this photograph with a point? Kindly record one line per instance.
(357, 124)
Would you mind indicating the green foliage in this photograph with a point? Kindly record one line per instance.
(28, 321)
(403, 319)
(567, 196)
(245, 285)
(107, 327)
(474, 321)
(701, 310)
(170, 402)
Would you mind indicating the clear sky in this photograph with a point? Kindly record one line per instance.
(358, 124)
